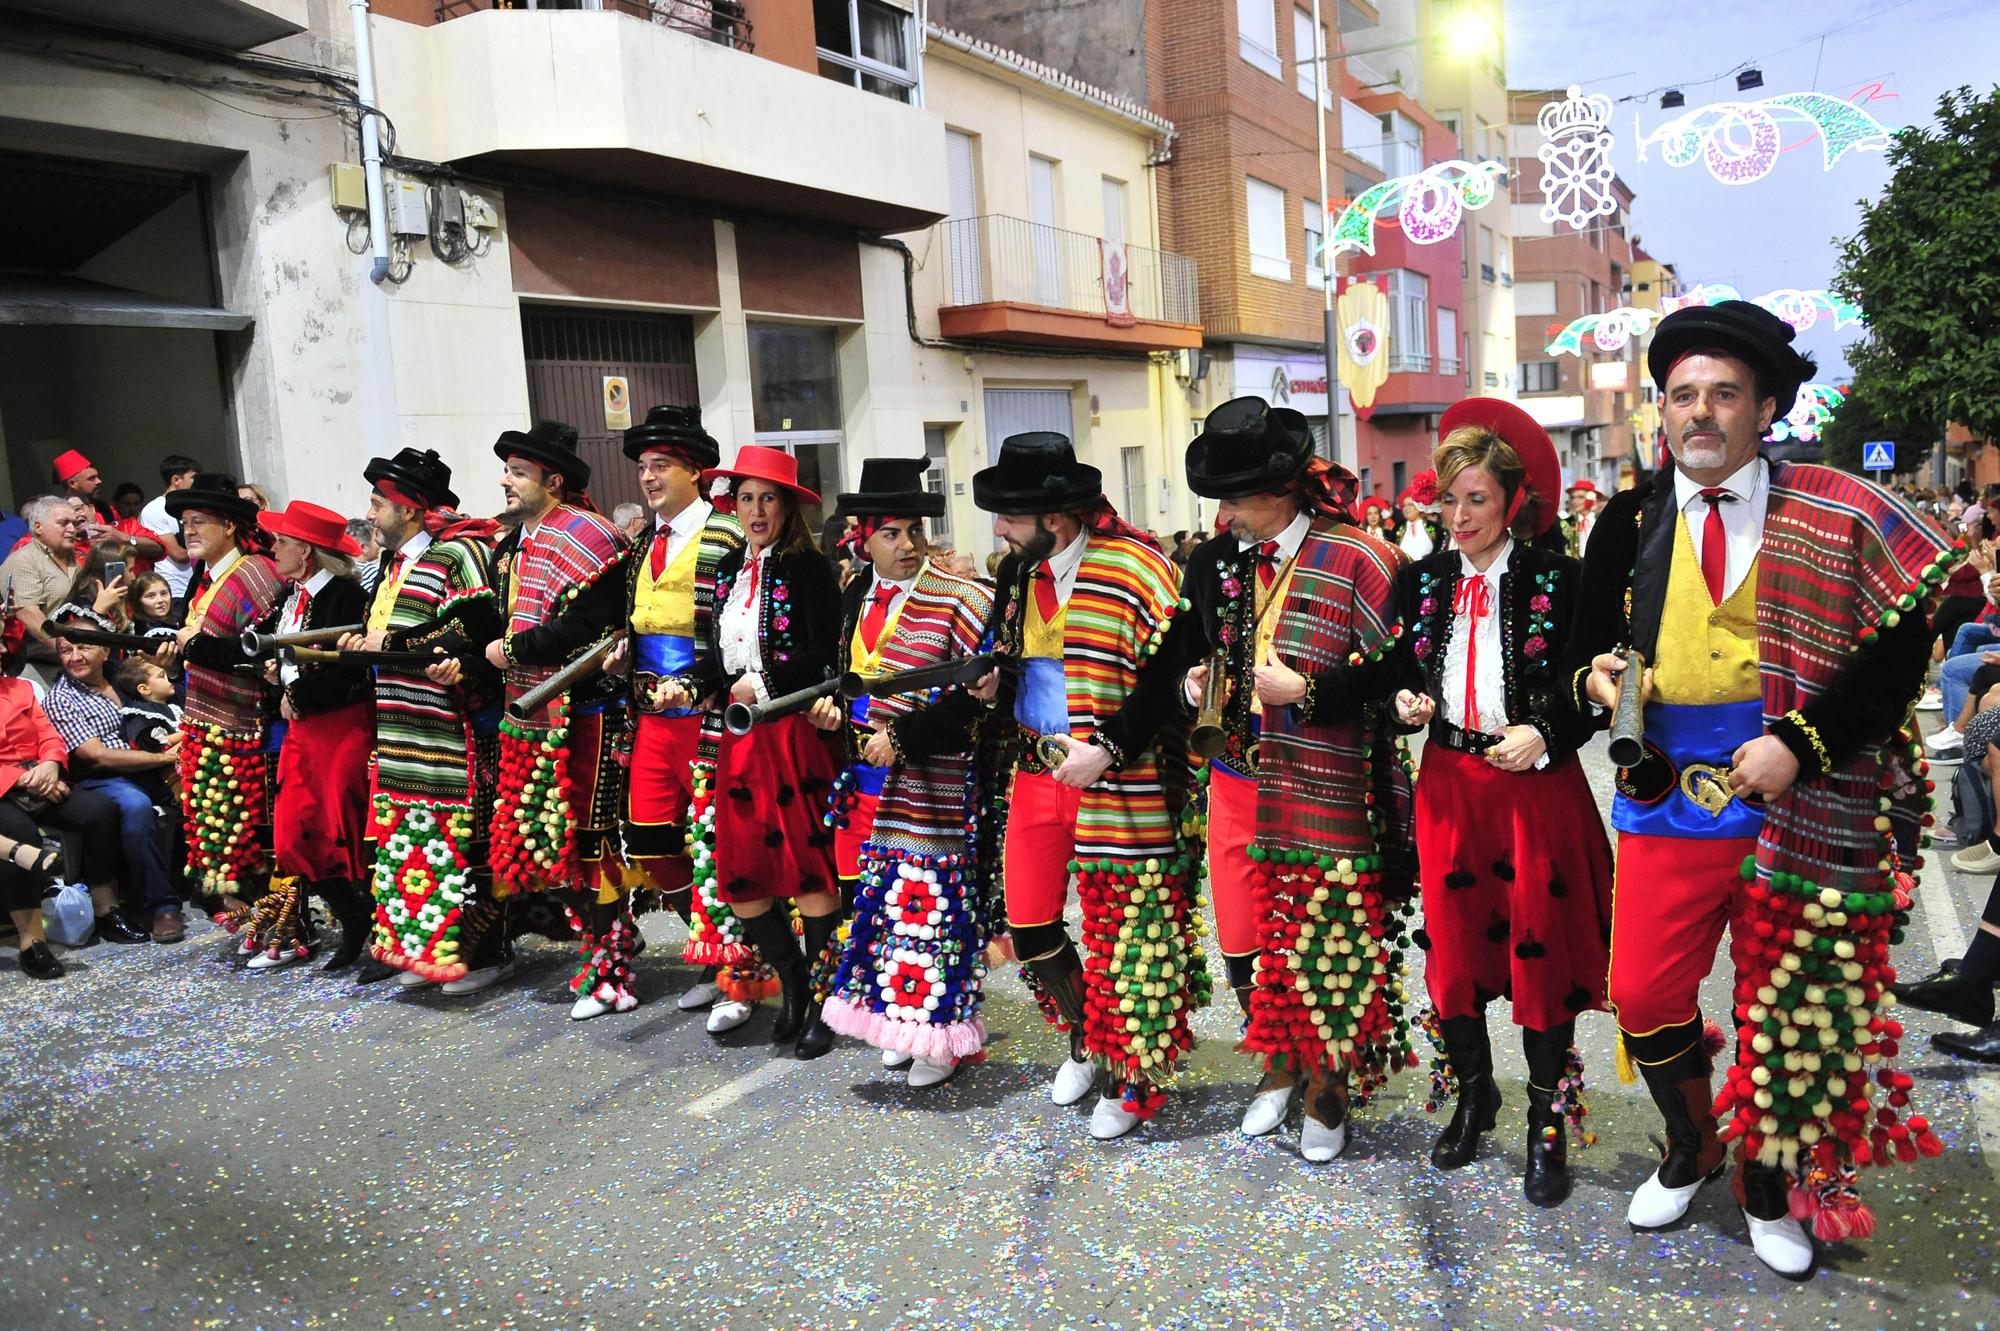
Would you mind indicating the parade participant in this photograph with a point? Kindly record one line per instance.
(1375, 519)
(1777, 609)
(776, 617)
(1516, 871)
(555, 826)
(1421, 534)
(665, 603)
(911, 976)
(224, 769)
(319, 819)
(1582, 498)
(1083, 599)
(1308, 773)
(436, 758)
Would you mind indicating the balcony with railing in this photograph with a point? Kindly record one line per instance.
(1011, 280)
(722, 21)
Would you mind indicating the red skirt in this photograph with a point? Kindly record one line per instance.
(771, 797)
(319, 822)
(1516, 878)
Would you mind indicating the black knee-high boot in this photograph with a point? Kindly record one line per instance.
(817, 1038)
(1242, 979)
(771, 934)
(1060, 974)
(1471, 1056)
(1545, 1181)
(356, 916)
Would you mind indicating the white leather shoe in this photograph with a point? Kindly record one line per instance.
(1782, 1245)
(1266, 1110)
(264, 961)
(1073, 1081)
(1318, 1143)
(896, 1058)
(1975, 858)
(924, 1073)
(587, 1007)
(727, 1015)
(702, 995)
(412, 980)
(484, 978)
(1655, 1205)
(1110, 1119)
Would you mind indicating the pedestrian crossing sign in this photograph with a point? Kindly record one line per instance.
(1879, 455)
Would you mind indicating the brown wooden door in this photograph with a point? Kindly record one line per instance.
(571, 351)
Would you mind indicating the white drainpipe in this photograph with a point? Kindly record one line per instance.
(371, 142)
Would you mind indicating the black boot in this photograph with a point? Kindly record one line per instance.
(1949, 996)
(1981, 1046)
(771, 934)
(1675, 1064)
(1471, 1056)
(357, 921)
(1242, 979)
(1545, 1181)
(1060, 975)
(817, 1038)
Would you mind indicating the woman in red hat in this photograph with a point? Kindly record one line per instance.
(1515, 868)
(774, 632)
(319, 820)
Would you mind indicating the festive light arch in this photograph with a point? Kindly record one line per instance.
(1612, 330)
(1739, 142)
(1808, 418)
(1429, 205)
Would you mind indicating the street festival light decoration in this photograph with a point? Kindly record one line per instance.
(1612, 330)
(1807, 419)
(1576, 159)
(1429, 204)
(1739, 142)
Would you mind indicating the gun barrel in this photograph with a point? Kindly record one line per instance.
(740, 718)
(1627, 722)
(263, 644)
(534, 699)
(921, 679)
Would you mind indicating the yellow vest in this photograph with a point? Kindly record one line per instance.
(1269, 605)
(384, 603)
(666, 604)
(1040, 637)
(1707, 653)
(860, 659)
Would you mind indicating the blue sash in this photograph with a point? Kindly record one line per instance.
(1042, 705)
(1688, 733)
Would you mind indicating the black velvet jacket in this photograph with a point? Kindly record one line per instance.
(799, 634)
(1537, 601)
(1624, 591)
(326, 688)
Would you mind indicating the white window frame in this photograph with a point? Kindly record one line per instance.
(1409, 322)
(1307, 56)
(1132, 471)
(1447, 330)
(1275, 265)
(1553, 376)
(1257, 42)
(1315, 220)
(858, 64)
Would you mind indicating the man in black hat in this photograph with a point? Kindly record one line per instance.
(1775, 609)
(1290, 539)
(436, 732)
(1083, 596)
(904, 842)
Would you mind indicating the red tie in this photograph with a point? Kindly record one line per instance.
(1715, 543)
(305, 602)
(877, 617)
(395, 562)
(1473, 602)
(658, 559)
(1267, 564)
(1046, 600)
(750, 595)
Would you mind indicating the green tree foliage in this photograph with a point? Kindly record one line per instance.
(1925, 267)
(1861, 420)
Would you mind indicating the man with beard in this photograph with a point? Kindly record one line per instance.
(1776, 610)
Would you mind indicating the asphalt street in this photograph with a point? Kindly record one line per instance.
(187, 1145)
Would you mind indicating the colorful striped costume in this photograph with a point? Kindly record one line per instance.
(914, 968)
(1336, 870)
(433, 769)
(225, 799)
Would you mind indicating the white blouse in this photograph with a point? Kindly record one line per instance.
(738, 623)
(1490, 675)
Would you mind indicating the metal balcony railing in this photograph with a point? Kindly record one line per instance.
(994, 258)
(1409, 362)
(723, 21)
(1448, 365)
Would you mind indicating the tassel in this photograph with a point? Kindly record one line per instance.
(1626, 1072)
(1713, 1040)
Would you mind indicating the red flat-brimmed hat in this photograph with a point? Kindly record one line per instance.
(1525, 436)
(316, 526)
(1590, 486)
(755, 462)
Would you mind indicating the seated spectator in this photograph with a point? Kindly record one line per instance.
(367, 564)
(37, 577)
(149, 607)
(152, 717)
(255, 494)
(76, 478)
(632, 519)
(33, 767)
(101, 587)
(88, 713)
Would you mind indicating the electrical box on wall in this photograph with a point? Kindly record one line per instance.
(406, 208)
(348, 187)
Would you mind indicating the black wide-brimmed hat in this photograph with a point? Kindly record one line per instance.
(550, 445)
(892, 488)
(675, 430)
(213, 492)
(1248, 447)
(1738, 328)
(1037, 473)
(420, 476)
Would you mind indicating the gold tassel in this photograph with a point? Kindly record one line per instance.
(1626, 1073)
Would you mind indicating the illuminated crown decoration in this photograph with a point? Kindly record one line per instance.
(1576, 159)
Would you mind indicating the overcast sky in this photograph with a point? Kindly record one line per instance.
(1781, 231)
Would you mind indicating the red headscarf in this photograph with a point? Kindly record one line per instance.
(1103, 519)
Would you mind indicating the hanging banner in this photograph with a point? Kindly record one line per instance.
(1116, 267)
(1364, 344)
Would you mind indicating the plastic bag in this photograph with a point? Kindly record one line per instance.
(68, 916)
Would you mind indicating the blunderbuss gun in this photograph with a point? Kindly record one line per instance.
(362, 657)
(1208, 737)
(922, 679)
(1627, 725)
(122, 642)
(258, 644)
(740, 718)
(533, 700)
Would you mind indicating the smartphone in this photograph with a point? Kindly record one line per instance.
(114, 569)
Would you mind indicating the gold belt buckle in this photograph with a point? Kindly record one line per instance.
(1707, 786)
(1052, 750)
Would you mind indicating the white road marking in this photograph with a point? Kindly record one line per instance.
(730, 1092)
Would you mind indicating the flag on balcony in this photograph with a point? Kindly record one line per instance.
(1117, 284)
